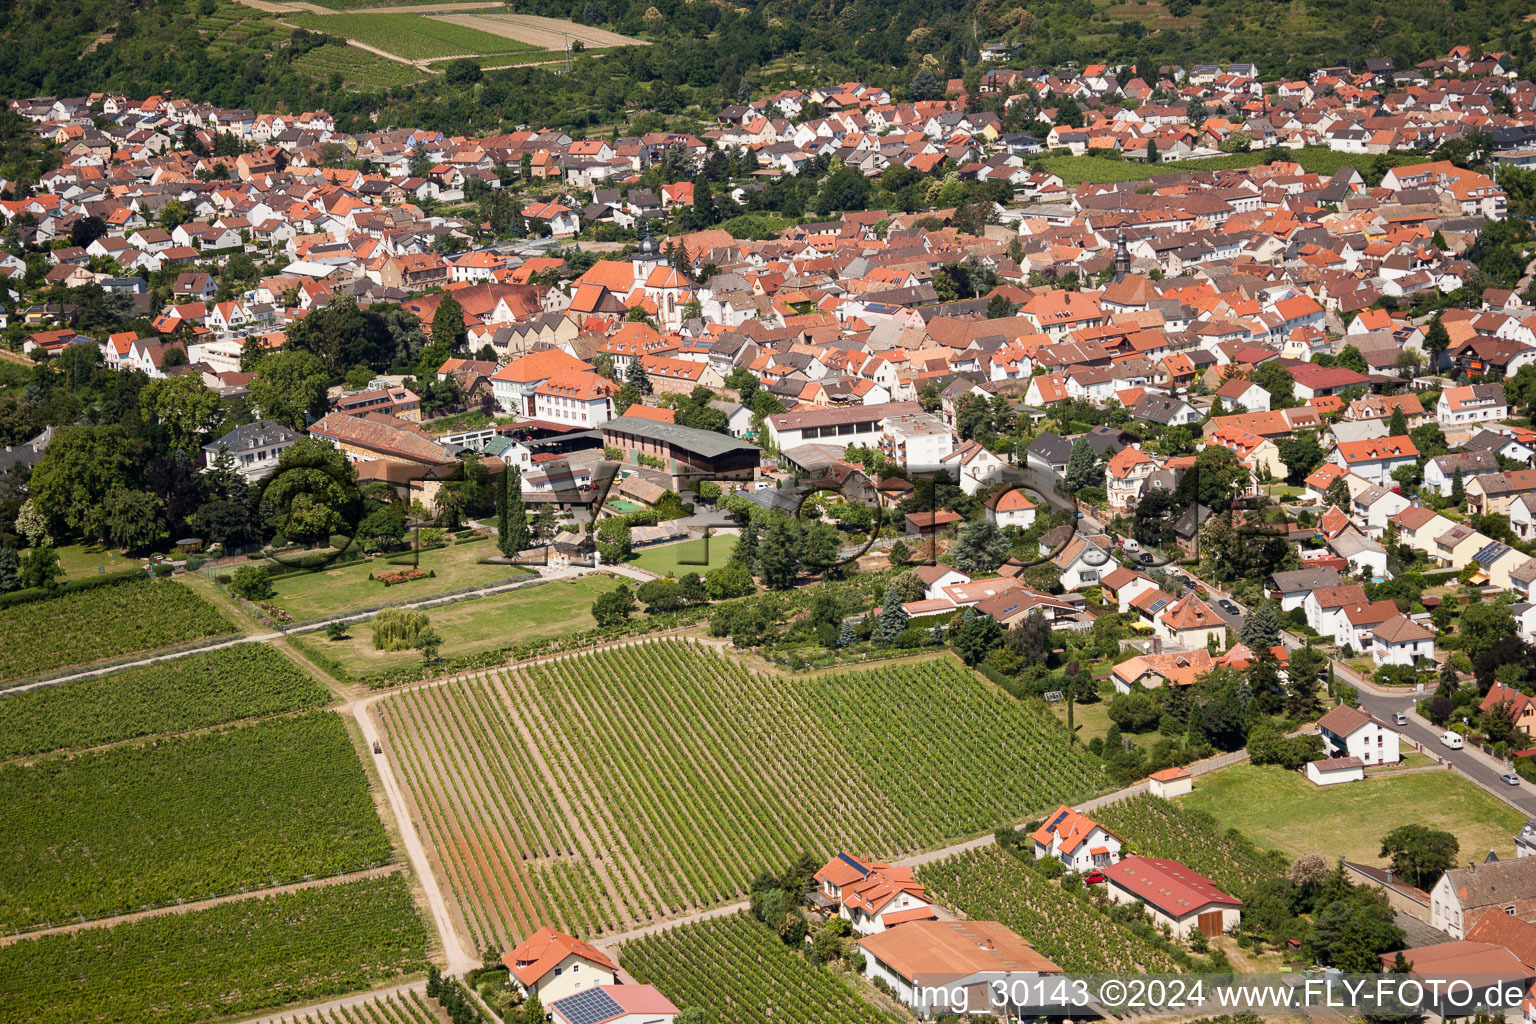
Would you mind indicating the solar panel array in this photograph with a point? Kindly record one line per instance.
(591, 1007)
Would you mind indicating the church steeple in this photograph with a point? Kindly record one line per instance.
(1122, 258)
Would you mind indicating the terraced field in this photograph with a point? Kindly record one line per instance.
(412, 36)
(226, 962)
(989, 884)
(79, 627)
(740, 973)
(146, 825)
(409, 1007)
(607, 790)
(356, 66)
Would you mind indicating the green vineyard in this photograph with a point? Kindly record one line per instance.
(1157, 828)
(200, 690)
(227, 961)
(145, 825)
(740, 973)
(600, 792)
(80, 627)
(409, 1007)
(991, 885)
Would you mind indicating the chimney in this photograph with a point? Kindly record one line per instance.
(1389, 874)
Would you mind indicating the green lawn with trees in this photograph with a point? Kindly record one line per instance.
(334, 591)
(473, 625)
(683, 557)
(1281, 809)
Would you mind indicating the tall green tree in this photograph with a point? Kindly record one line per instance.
(1082, 466)
(892, 620)
(511, 514)
(1436, 340)
(448, 326)
(1420, 853)
(185, 407)
(290, 387)
(132, 519)
(1261, 628)
(80, 468)
(637, 378)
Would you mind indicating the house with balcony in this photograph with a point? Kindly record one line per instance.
(1079, 842)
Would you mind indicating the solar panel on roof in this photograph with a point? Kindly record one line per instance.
(590, 1007)
(1058, 819)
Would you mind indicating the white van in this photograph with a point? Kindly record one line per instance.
(1452, 740)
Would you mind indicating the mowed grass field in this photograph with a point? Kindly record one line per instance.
(412, 36)
(477, 624)
(1283, 810)
(333, 591)
(599, 792)
(683, 557)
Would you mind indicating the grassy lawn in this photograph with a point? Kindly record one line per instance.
(478, 624)
(337, 590)
(83, 559)
(674, 559)
(1090, 719)
(1283, 810)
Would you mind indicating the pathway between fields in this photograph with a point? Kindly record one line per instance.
(314, 626)
(336, 1005)
(183, 908)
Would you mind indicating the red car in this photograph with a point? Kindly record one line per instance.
(1095, 878)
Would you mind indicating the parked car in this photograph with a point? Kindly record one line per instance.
(1095, 878)
(1452, 740)
(1401, 718)
(1511, 778)
(1229, 607)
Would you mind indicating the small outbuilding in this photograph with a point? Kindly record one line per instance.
(1170, 782)
(1333, 770)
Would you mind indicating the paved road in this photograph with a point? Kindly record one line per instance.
(1481, 768)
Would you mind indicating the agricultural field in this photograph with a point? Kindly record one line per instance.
(326, 592)
(603, 791)
(412, 36)
(473, 625)
(231, 960)
(145, 825)
(992, 885)
(1156, 828)
(123, 618)
(740, 973)
(669, 559)
(541, 33)
(409, 1007)
(356, 67)
(248, 681)
(1283, 810)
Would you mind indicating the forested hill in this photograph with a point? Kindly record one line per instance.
(713, 51)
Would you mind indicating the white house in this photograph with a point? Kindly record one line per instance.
(974, 959)
(255, 447)
(1011, 507)
(1350, 732)
(615, 1004)
(579, 398)
(553, 965)
(1325, 607)
(1471, 403)
(937, 577)
(1463, 895)
(870, 895)
(1376, 458)
(1401, 641)
(976, 467)
(1174, 895)
(1079, 842)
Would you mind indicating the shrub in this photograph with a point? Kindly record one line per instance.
(252, 582)
(396, 629)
